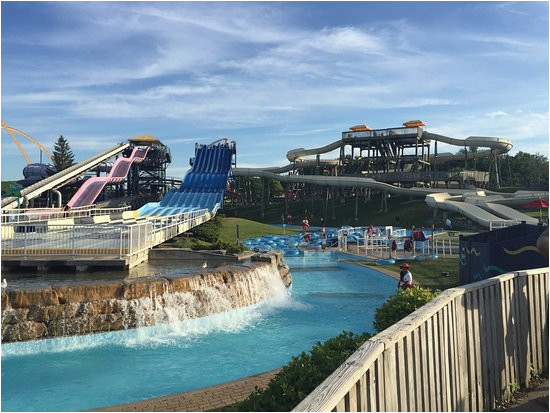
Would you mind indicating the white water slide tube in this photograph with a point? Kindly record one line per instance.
(476, 204)
(62, 177)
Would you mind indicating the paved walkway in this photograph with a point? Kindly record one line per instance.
(529, 403)
(201, 400)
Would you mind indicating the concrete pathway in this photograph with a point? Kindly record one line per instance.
(529, 402)
(201, 400)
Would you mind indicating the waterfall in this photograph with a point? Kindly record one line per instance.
(69, 310)
(207, 296)
(208, 307)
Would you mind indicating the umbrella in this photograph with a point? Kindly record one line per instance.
(537, 203)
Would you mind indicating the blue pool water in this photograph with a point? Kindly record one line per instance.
(86, 372)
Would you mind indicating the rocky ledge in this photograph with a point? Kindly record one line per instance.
(98, 307)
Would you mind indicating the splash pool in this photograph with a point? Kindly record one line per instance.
(87, 372)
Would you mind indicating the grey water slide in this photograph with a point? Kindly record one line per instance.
(473, 205)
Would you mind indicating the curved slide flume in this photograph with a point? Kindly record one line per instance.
(499, 145)
(89, 191)
(441, 197)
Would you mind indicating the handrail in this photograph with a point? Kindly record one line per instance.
(463, 351)
(124, 240)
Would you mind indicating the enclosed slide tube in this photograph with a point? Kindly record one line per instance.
(89, 191)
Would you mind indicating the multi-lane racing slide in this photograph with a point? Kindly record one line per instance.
(89, 191)
(204, 184)
(475, 207)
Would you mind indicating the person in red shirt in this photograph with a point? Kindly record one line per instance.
(405, 277)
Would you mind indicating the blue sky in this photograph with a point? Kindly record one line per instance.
(273, 76)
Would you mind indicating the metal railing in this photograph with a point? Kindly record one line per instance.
(44, 214)
(466, 350)
(44, 239)
(359, 240)
(502, 224)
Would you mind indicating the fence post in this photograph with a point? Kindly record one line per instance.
(25, 239)
(120, 250)
(73, 239)
(139, 237)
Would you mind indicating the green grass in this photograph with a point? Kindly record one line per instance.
(248, 229)
(535, 213)
(428, 273)
(415, 212)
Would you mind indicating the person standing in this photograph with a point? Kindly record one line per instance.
(393, 249)
(405, 277)
(323, 226)
(305, 223)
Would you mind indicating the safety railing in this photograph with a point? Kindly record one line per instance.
(377, 243)
(466, 350)
(43, 214)
(44, 239)
(502, 224)
(445, 246)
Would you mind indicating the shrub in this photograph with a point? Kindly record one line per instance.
(209, 231)
(401, 305)
(183, 243)
(230, 247)
(302, 375)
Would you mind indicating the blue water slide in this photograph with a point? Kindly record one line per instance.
(203, 187)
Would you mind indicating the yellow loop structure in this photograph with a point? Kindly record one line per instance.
(10, 130)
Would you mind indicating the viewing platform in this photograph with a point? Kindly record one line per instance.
(122, 243)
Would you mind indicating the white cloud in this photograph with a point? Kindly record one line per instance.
(495, 114)
(520, 128)
(214, 68)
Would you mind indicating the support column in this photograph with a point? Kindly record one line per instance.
(356, 206)
(263, 199)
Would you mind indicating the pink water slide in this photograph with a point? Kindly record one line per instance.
(89, 191)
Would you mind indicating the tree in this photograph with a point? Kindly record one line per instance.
(62, 154)
(276, 188)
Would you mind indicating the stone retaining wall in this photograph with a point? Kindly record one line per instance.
(98, 307)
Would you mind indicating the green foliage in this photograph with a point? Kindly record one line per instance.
(275, 188)
(230, 247)
(525, 170)
(62, 154)
(400, 305)
(196, 244)
(209, 231)
(302, 375)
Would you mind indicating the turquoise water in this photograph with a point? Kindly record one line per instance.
(86, 372)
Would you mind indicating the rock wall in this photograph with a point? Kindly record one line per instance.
(99, 307)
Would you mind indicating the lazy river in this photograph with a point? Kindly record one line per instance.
(86, 372)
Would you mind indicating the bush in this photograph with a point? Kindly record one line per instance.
(209, 231)
(302, 375)
(183, 243)
(401, 305)
(230, 247)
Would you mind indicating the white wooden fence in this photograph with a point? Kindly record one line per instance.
(465, 350)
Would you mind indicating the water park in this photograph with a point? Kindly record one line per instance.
(126, 289)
